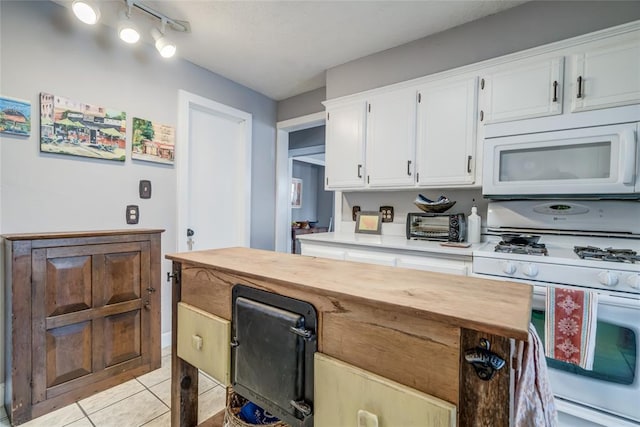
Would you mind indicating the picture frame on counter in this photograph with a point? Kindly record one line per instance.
(369, 222)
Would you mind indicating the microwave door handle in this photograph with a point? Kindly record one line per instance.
(628, 147)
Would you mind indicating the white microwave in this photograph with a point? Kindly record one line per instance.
(590, 162)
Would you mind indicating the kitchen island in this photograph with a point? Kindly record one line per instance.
(407, 327)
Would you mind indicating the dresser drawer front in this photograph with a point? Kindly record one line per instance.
(203, 341)
(347, 396)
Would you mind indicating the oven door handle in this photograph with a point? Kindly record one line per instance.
(628, 148)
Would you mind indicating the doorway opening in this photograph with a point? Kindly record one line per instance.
(311, 205)
(300, 165)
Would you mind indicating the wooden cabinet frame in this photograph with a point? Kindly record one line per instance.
(82, 314)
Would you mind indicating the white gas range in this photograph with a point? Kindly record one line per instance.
(606, 261)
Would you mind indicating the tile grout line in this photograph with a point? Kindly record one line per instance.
(85, 414)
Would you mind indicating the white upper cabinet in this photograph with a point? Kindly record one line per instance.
(344, 150)
(447, 132)
(522, 90)
(391, 139)
(606, 76)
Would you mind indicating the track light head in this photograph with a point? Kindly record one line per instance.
(128, 30)
(166, 48)
(86, 11)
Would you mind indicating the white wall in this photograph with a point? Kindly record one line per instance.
(44, 49)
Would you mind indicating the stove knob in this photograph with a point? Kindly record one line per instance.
(508, 267)
(530, 270)
(634, 281)
(608, 278)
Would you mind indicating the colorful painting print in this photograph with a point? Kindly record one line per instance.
(152, 142)
(77, 129)
(15, 116)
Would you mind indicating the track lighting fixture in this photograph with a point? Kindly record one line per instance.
(86, 11)
(166, 48)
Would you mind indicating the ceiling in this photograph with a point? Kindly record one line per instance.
(282, 48)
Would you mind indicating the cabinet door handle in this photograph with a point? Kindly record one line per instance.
(359, 171)
(409, 167)
(555, 91)
(579, 87)
(481, 115)
(469, 164)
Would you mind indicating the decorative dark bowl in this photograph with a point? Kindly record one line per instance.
(434, 207)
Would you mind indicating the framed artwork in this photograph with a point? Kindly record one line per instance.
(152, 142)
(15, 116)
(369, 222)
(296, 193)
(77, 129)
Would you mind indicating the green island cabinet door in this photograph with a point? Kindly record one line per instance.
(347, 396)
(203, 341)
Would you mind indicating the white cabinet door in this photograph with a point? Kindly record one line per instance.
(391, 139)
(523, 90)
(347, 396)
(608, 76)
(446, 132)
(344, 150)
(437, 265)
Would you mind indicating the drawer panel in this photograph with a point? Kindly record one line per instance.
(203, 341)
(347, 396)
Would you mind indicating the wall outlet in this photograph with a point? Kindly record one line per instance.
(132, 214)
(387, 213)
(354, 212)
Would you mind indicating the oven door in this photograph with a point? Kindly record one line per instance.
(583, 162)
(613, 386)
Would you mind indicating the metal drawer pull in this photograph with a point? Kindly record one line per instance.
(196, 342)
(579, 87)
(359, 171)
(469, 164)
(409, 167)
(555, 91)
(367, 419)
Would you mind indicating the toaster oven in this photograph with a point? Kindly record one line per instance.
(436, 226)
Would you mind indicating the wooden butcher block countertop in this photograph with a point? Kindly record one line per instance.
(496, 307)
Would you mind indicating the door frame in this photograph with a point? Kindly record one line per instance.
(283, 175)
(187, 101)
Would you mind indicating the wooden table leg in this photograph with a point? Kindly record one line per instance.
(184, 376)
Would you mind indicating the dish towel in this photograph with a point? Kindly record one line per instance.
(534, 402)
(570, 326)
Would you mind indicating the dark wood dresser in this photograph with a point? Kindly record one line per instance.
(82, 314)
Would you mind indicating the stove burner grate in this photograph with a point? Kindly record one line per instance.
(607, 254)
(526, 249)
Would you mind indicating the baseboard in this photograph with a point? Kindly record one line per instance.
(165, 341)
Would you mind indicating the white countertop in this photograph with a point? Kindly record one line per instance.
(388, 242)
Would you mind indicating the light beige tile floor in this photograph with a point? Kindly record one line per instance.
(143, 401)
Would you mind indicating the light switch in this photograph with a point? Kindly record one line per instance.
(354, 212)
(132, 214)
(145, 189)
(196, 342)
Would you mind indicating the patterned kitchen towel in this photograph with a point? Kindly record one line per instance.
(570, 326)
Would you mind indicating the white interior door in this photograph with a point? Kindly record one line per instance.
(213, 164)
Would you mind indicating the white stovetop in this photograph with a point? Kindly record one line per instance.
(387, 242)
(560, 251)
